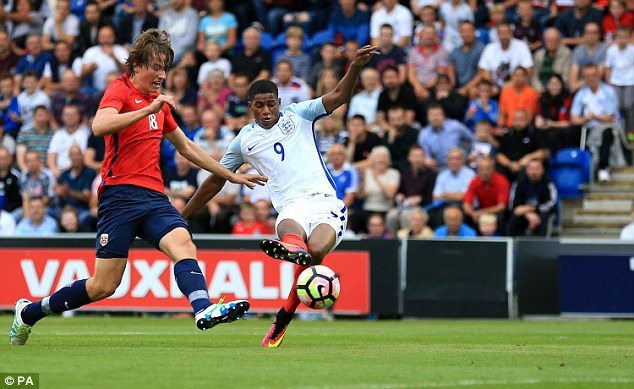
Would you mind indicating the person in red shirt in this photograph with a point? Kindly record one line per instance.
(490, 189)
(618, 15)
(133, 116)
(248, 225)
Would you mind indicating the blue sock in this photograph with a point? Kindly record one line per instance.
(191, 282)
(71, 296)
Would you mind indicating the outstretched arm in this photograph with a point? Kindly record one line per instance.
(343, 91)
(210, 187)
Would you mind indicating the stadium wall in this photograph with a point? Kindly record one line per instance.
(488, 278)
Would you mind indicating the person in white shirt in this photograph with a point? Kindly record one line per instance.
(103, 59)
(280, 144)
(365, 102)
(30, 98)
(180, 20)
(619, 65)
(396, 15)
(73, 133)
(499, 60)
(627, 233)
(214, 61)
(290, 89)
(63, 26)
(453, 13)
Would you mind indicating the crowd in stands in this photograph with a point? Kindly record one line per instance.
(448, 134)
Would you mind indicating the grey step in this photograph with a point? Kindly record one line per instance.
(617, 218)
(585, 230)
(624, 169)
(610, 196)
(612, 187)
(626, 176)
(590, 204)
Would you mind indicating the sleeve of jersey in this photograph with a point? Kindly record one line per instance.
(233, 159)
(310, 110)
(169, 124)
(113, 97)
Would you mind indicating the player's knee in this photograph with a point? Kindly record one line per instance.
(103, 290)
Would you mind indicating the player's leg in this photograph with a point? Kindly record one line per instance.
(291, 247)
(166, 230)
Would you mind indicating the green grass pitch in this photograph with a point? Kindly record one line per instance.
(115, 352)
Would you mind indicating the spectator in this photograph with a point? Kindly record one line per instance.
(428, 17)
(89, 27)
(418, 228)
(349, 50)
(344, 174)
(33, 62)
(63, 60)
(132, 24)
(464, 59)
(216, 217)
(441, 135)
(95, 152)
(327, 82)
(349, 22)
(189, 123)
(485, 144)
(248, 224)
(213, 93)
(376, 228)
(214, 62)
(9, 109)
(36, 138)
(483, 108)
(272, 11)
(180, 88)
(517, 95)
(399, 137)
(35, 181)
(553, 116)
(497, 16)
(553, 58)
(99, 61)
(294, 39)
(596, 106)
(390, 55)
(425, 62)
(265, 214)
(38, 223)
(30, 98)
(398, 16)
(451, 101)
(365, 102)
(254, 61)
(180, 20)
(518, 146)
(69, 93)
(527, 28)
(25, 22)
(212, 136)
(8, 58)
(415, 189)
(61, 26)
(453, 226)
(619, 67)
(7, 224)
(6, 140)
(360, 142)
(10, 198)
(533, 201)
(237, 114)
(180, 181)
(590, 51)
(311, 16)
(329, 131)
(488, 225)
(618, 15)
(571, 22)
(327, 60)
(499, 60)
(395, 94)
(72, 133)
(488, 192)
(73, 186)
(217, 25)
(291, 89)
(627, 233)
(69, 221)
(380, 183)
(451, 185)
(453, 13)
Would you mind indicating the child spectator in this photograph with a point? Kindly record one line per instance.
(248, 225)
(484, 108)
(327, 60)
(69, 220)
(294, 54)
(488, 225)
(30, 98)
(214, 61)
(485, 144)
(497, 15)
(617, 15)
(527, 28)
(619, 64)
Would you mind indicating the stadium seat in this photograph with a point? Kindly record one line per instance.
(482, 35)
(266, 41)
(570, 169)
(319, 38)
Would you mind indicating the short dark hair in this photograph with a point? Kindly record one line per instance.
(435, 106)
(40, 107)
(29, 73)
(358, 117)
(261, 87)
(390, 67)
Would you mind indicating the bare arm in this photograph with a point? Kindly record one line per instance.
(343, 91)
(20, 152)
(89, 159)
(210, 187)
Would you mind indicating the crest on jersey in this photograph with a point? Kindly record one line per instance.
(286, 125)
(103, 239)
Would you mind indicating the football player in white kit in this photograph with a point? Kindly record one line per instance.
(282, 147)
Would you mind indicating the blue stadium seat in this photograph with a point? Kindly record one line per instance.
(570, 169)
(266, 41)
(319, 38)
(482, 35)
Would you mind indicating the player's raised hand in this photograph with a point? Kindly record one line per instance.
(250, 180)
(158, 102)
(363, 55)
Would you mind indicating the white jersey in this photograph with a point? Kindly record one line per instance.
(286, 153)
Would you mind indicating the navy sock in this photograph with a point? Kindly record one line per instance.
(191, 282)
(71, 296)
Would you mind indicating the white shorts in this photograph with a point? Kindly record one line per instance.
(315, 210)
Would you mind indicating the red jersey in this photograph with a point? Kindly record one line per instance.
(495, 192)
(257, 228)
(133, 154)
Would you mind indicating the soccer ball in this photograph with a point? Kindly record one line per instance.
(318, 287)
